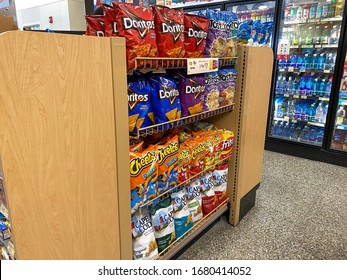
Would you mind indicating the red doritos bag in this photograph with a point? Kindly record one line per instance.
(169, 27)
(195, 34)
(111, 29)
(136, 24)
(95, 26)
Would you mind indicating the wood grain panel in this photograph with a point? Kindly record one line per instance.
(58, 151)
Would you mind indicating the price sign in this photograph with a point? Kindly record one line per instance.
(304, 97)
(296, 96)
(201, 65)
(326, 71)
(291, 69)
(283, 49)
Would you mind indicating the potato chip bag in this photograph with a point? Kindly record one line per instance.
(95, 26)
(184, 158)
(191, 90)
(144, 244)
(169, 28)
(211, 96)
(110, 23)
(226, 144)
(194, 200)
(195, 34)
(136, 24)
(163, 223)
(165, 99)
(198, 152)
(207, 184)
(209, 203)
(182, 217)
(227, 86)
(208, 139)
(143, 176)
(139, 103)
(221, 178)
(217, 138)
(168, 164)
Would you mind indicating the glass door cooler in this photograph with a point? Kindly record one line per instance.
(309, 38)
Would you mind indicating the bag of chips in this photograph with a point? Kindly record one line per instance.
(184, 158)
(136, 24)
(221, 38)
(191, 89)
(244, 32)
(221, 178)
(194, 200)
(165, 99)
(207, 184)
(144, 244)
(195, 34)
(226, 144)
(110, 24)
(254, 33)
(168, 164)
(136, 147)
(143, 176)
(210, 148)
(140, 113)
(169, 28)
(182, 216)
(227, 86)
(163, 223)
(211, 96)
(95, 26)
(209, 203)
(198, 152)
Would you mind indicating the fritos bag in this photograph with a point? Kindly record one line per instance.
(169, 28)
(195, 34)
(165, 99)
(110, 24)
(221, 178)
(184, 158)
(95, 26)
(182, 216)
(143, 176)
(194, 200)
(168, 164)
(136, 24)
(226, 144)
(140, 113)
(163, 223)
(198, 152)
(191, 89)
(144, 245)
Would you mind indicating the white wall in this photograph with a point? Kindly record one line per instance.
(67, 14)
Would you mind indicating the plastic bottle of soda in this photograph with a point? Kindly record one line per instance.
(306, 11)
(286, 131)
(313, 135)
(328, 87)
(312, 113)
(331, 9)
(340, 115)
(317, 33)
(322, 87)
(325, 34)
(325, 10)
(319, 11)
(315, 86)
(313, 10)
(320, 136)
(325, 112)
(302, 86)
(308, 86)
(305, 134)
(319, 113)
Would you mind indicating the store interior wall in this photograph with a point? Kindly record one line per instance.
(66, 14)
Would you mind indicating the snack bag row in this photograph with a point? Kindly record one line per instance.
(255, 33)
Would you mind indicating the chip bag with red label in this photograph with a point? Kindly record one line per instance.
(169, 27)
(136, 24)
(184, 158)
(198, 152)
(221, 178)
(110, 23)
(95, 26)
(195, 34)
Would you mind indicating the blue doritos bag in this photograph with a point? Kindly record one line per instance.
(139, 104)
(165, 99)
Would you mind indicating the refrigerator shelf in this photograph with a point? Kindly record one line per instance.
(341, 127)
(296, 141)
(298, 71)
(304, 97)
(315, 20)
(318, 46)
(287, 119)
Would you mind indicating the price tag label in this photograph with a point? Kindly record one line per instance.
(286, 95)
(201, 65)
(296, 96)
(294, 121)
(281, 70)
(304, 97)
(324, 98)
(326, 71)
(291, 69)
(286, 119)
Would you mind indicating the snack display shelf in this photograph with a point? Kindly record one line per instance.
(341, 127)
(318, 46)
(184, 183)
(297, 96)
(298, 71)
(180, 122)
(335, 19)
(287, 119)
(152, 63)
(196, 229)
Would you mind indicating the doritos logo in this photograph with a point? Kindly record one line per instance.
(138, 24)
(134, 98)
(169, 93)
(198, 33)
(194, 88)
(172, 27)
(138, 164)
(164, 153)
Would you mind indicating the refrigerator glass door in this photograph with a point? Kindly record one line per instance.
(339, 138)
(306, 54)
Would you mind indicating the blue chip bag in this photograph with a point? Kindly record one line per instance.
(244, 32)
(227, 86)
(182, 217)
(262, 34)
(165, 99)
(255, 30)
(268, 36)
(139, 104)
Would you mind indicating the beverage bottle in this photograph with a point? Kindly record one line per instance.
(286, 131)
(319, 113)
(316, 35)
(325, 10)
(299, 13)
(319, 11)
(293, 60)
(320, 136)
(312, 137)
(325, 112)
(333, 59)
(280, 130)
(313, 10)
(284, 108)
(284, 85)
(312, 113)
(308, 86)
(309, 35)
(297, 134)
(293, 11)
(340, 115)
(338, 8)
(337, 141)
(328, 61)
(314, 61)
(305, 112)
(292, 134)
(278, 105)
(325, 34)
(344, 145)
(254, 14)
(333, 39)
(332, 7)
(315, 86)
(295, 89)
(279, 85)
(273, 131)
(305, 134)
(291, 108)
(302, 35)
(306, 12)
(322, 87)
(328, 87)
(300, 62)
(290, 85)
(297, 112)
(308, 60)
(302, 86)
(321, 61)
(296, 36)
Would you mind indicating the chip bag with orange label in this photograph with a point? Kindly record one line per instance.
(168, 164)
(184, 157)
(226, 144)
(143, 176)
(198, 152)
